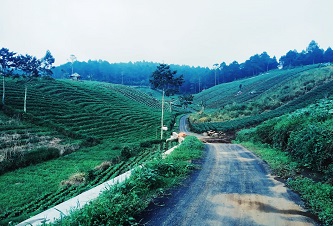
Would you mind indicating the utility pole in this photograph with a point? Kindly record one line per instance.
(162, 119)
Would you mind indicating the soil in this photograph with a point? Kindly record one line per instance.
(231, 187)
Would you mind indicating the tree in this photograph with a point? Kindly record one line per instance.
(215, 67)
(73, 58)
(166, 80)
(163, 78)
(185, 100)
(314, 54)
(223, 70)
(290, 59)
(30, 68)
(328, 55)
(7, 63)
(46, 64)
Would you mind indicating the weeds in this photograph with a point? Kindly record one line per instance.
(121, 203)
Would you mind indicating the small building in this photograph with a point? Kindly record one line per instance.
(75, 76)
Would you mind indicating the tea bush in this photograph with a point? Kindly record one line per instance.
(305, 134)
(19, 160)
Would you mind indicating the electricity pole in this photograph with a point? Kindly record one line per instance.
(162, 118)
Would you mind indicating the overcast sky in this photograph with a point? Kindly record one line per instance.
(189, 32)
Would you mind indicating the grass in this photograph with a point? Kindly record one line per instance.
(318, 196)
(97, 117)
(120, 204)
(259, 94)
(293, 89)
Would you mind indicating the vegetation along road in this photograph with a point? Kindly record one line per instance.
(233, 187)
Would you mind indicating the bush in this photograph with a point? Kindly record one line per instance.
(20, 160)
(318, 196)
(305, 134)
(313, 145)
(149, 143)
(119, 204)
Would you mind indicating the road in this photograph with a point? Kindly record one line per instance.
(233, 187)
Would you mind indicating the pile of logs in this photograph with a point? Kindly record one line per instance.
(212, 136)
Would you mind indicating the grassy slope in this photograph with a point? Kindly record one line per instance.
(273, 94)
(277, 93)
(76, 113)
(84, 109)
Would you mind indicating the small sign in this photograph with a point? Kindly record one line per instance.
(164, 128)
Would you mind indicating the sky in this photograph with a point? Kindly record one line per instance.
(184, 32)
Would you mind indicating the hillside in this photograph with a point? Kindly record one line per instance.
(247, 102)
(74, 135)
(286, 118)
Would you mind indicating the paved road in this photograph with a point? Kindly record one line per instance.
(233, 187)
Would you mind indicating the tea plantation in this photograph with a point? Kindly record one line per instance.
(286, 118)
(248, 102)
(73, 136)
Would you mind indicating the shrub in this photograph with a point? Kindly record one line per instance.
(119, 204)
(305, 134)
(19, 160)
(318, 196)
(313, 145)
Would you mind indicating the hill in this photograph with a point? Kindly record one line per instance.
(247, 102)
(74, 135)
(286, 117)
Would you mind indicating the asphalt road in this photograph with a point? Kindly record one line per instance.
(232, 187)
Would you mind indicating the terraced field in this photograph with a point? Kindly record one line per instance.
(87, 109)
(226, 93)
(229, 107)
(88, 123)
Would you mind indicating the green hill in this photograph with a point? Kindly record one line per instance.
(74, 135)
(286, 117)
(248, 102)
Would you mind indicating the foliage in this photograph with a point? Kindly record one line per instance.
(19, 160)
(256, 64)
(312, 55)
(241, 120)
(281, 163)
(305, 134)
(122, 202)
(46, 64)
(186, 100)
(165, 79)
(96, 118)
(78, 179)
(7, 65)
(262, 93)
(318, 197)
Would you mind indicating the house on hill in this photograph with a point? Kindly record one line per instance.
(75, 76)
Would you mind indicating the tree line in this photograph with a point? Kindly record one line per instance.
(195, 78)
(261, 63)
(312, 55)
(24, 68)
